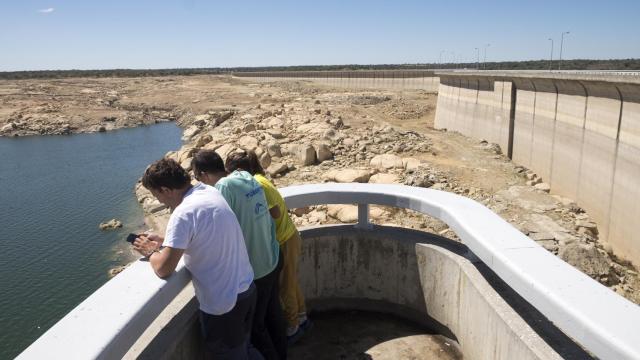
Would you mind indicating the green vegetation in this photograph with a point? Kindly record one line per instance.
(575, 64)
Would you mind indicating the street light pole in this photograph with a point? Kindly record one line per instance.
(561, 43)
(440, 58)
(478, 58)
(551, 57)
(484, 61)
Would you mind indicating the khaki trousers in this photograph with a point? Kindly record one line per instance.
(290, 293)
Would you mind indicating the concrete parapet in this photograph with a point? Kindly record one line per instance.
(356, 79)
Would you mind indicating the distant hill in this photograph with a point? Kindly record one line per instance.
(574, 64)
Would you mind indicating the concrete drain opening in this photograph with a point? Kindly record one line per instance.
(354, 334)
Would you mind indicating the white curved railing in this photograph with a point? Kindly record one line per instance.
(106, 324)
(600, 320)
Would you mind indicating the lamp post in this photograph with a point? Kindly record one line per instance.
(484, 61)
(440, 58)
(561, 43)
(477, 58)
(551, 57)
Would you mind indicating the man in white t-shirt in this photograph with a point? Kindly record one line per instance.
(204, 230)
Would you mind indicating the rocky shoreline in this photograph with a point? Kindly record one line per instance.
(317, 137)
(70, 106)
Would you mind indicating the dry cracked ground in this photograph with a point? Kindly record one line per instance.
(309, 133)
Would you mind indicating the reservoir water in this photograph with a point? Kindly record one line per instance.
(54, 191)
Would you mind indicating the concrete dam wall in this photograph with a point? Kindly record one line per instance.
(357, 79)
(579, 132)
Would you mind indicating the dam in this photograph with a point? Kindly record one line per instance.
(497, 294)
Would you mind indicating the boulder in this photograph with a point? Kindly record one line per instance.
(343, 213)
(249, 128)
(544, 187)
(202, 119)
(411, 164)
(275, 123)
(387, 161)
(190, 132)
(265, 160)
(225, 150)
(323, 152)
(347, 175)
(273, 149)
(586, 258)
(8, 127)
(185, 153)
(110, 225)
(384, 179)
(348, 142)
(276, 134)
(306, 155)
(277, 169)
(349, 213)
(204, 140)
(248, 142)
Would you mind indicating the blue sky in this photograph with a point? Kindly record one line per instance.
(75, 34)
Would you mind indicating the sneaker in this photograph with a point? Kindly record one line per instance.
(295, 335)
(306, 325)
(302, 317)
(291, 330)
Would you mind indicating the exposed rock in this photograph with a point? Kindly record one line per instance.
(588, 225)
(116, 270)
(249, 128)
(276, 134)
(347, 175)
(225, 150)
(306, 155)
(8, 127)
(349, 213)
(275, 123)
(190, 132)
(323, 152)
(420, 179)
(248, 142)
(265, 160)
(301, 211)
(384, 179)
(411, 164)
(151, 206)
(587, 258)
(387, 161)
(273, 149)
(343, 213)
(277, 169)
(203, 140)
(201, 119)
(543, 187)
(110, 225)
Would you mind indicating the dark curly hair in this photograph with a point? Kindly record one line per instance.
(165, 173)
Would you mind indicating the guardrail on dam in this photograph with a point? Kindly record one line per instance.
(580, 131)
(356, 79)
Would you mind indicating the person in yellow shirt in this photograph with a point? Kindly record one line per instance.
(290, 244)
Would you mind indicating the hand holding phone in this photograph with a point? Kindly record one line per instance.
(132, 237)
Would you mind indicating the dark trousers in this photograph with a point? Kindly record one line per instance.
(268, 334)
(227, 336)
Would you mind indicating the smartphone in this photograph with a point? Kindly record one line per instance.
(131, 237)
